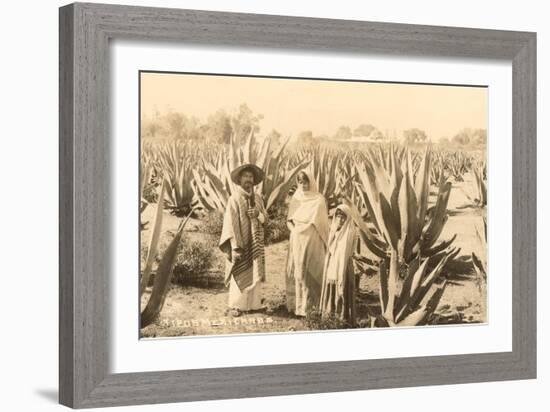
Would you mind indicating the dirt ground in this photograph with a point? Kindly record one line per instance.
(200, 307)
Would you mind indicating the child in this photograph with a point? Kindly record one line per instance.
(338, 291)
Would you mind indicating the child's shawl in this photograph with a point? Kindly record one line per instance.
(341, 246)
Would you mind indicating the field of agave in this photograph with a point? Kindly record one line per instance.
(399, 194)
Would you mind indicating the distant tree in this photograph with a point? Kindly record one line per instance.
(275, 137)
(463, 137)
(305, 137)
(377, 135)
(414, 135)
(180, 126)
(364, 130)
(471, 136)
(176, 123)
(218, 127)
(150, 127)
(192, 129)
(245, 121)
(153, 127)
(479, 136)
(444, 141)
(343, 133)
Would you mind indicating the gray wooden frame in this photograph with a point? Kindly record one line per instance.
(85, 31)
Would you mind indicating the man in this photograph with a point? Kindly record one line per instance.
(242, 240)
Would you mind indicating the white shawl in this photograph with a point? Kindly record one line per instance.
(341, 246)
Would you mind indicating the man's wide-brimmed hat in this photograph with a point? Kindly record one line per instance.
(256, 171)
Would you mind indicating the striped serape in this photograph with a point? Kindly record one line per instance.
(245, 234)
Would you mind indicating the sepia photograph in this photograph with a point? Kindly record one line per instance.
(282, 205)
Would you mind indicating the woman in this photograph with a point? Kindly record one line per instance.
(338, 291)
(308, 223)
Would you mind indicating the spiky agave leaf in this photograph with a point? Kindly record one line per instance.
(481, 185)
(282, 188)
(438, 218)
(153, 242)
(419, 294)
(177, 161)
(480, 262)
(373, 243)
(210, 196)
(479, 266)
(396, 199)
(162, 278)
(408, 210)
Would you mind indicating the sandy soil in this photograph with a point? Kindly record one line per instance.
(200, 308)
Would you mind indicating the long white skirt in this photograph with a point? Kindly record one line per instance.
(306, 256)
(249, 299)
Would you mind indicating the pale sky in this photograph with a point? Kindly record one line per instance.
(294, 105)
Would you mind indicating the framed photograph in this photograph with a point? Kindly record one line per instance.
(259, 205)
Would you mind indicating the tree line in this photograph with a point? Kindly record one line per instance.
(221, 125)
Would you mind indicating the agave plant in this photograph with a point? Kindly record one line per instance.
(409, 293)
(214, 186)
(177, 163)
(279, 176)
(165, 267)
(458, 164)
(418, 297)
(397, 206)
(153, 242)
(480, 262)
(480, 174)
(162, 278)
(401, 231)
(145, 173)
(346, 175)
(476, 192)
(437, 170)
(323, 166)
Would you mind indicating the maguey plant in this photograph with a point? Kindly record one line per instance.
(215, 186)
(437, 170)
(479, 259)
(176, 160)
(401, 232)
(457, 164)
(165, 267)
(145, 173)
(480, 175)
